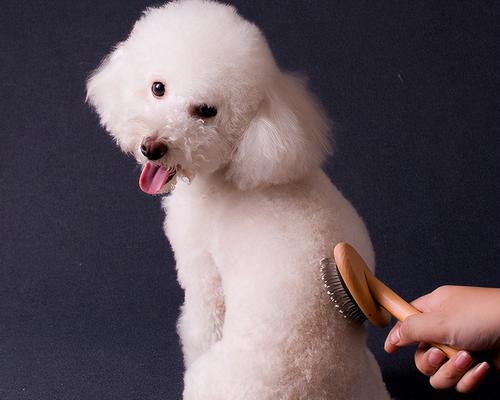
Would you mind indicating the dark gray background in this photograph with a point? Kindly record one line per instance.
(88, 293)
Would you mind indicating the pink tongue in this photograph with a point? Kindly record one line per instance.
(153, 177)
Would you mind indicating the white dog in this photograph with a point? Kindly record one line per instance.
(195, 95)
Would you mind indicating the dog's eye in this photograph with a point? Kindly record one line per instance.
(204, 111)
(158, 89)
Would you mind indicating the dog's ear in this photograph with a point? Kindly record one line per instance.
(287, 138)
(104, 88)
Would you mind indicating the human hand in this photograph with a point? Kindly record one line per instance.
(461, 317)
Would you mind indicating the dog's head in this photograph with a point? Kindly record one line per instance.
(195, 89)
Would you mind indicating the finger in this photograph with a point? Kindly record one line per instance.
(473, 378)
(425, 327)
(390, 347)
(428, 361)
(452, 371)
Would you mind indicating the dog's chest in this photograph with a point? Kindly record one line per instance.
(192, 218)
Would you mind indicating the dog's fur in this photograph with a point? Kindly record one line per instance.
(250, 228)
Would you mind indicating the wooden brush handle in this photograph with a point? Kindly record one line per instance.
(371, 295)
(398, 307)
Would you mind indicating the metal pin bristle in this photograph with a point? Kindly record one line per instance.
(338, 292)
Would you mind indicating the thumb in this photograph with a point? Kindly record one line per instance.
(425, 327)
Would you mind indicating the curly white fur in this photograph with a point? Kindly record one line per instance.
(249, 230)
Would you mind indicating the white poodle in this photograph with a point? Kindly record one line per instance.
(195, 95)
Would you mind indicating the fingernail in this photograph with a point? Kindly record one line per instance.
(394, 338)
(463, 360)
(436, 357)
(480, 369)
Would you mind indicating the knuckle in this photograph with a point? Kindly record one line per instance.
(438, 382)
(445, 332)
(452, 338)
(422, 365)
(464, 387)
(406, 330)
(426, 369)
(449, 374)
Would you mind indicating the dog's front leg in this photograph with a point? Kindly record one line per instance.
(226, 372)
(202, 317)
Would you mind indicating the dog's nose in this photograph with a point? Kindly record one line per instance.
(153, 149)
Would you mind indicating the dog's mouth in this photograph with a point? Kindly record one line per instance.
(156, 179)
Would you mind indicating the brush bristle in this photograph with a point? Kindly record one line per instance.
(338, 292)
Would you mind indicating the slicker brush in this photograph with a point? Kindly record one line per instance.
(358, 295)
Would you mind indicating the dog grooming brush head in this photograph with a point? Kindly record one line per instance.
(346, 281)
(339, 293)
